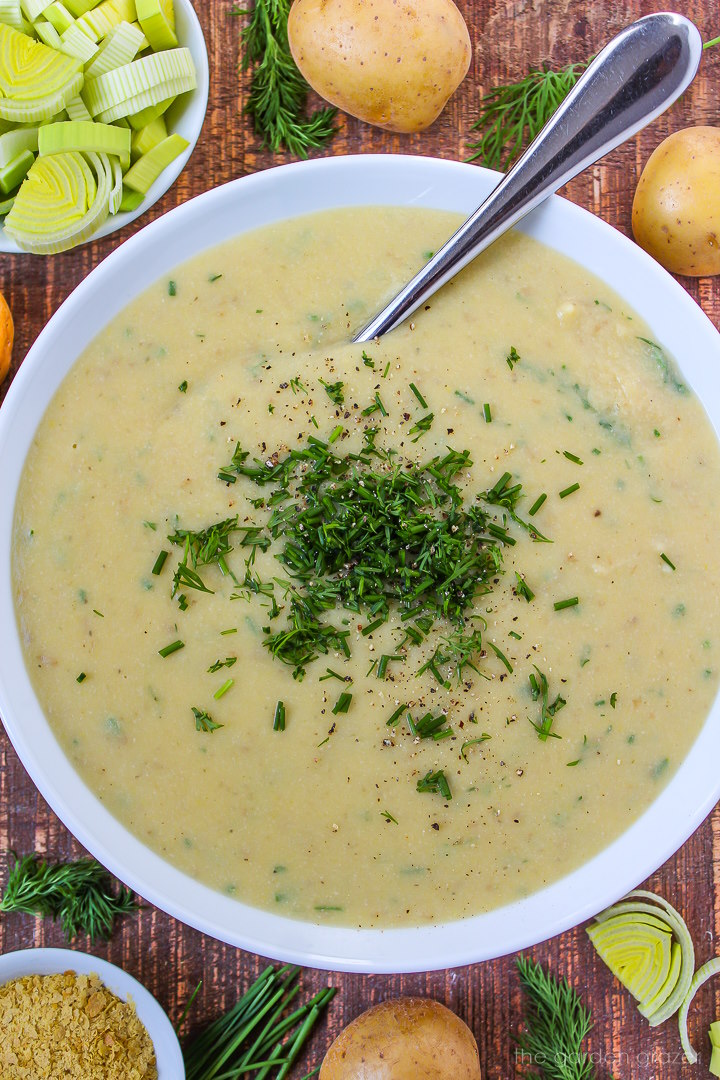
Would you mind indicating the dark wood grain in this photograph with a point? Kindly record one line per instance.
(509, 36)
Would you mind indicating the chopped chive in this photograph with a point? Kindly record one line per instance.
(204, 721)
(571, 763)
(367, 360)
(226, 476)
(562, 604)
(98, 613)
(384, 661)
(613, 699)
(335, 433)
(418, 395)
(214, 277)
(331, 675)
(385, 372)
(464, 397)
(342, 704)
(388, 816)
(170, 649)
(501, 656)
(396, 716)
(514, 634)
(81, 677)
(512, 357)
(523, 589)
(665, 559)
(372, 627)
(537, 504)
(279, 718)
(182, 602)
(435, 783)
(222, 690)
(569, 490)
(487, 414)
(473, 742)
(232, 630)
(150, 525)
(172, 288)
(572, 457)
(183, 386)
(160, 562)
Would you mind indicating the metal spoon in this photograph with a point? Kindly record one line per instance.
(634, 79)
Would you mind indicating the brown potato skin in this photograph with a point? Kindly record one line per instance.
(392, 63)
(404, 1038)
(676, 210)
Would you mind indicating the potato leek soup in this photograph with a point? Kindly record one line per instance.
(381, 635)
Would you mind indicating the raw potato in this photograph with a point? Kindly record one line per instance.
(404, 1039)
(393, 63)
(7, 332)
(676, 210)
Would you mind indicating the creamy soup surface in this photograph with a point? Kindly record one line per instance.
(600, 628)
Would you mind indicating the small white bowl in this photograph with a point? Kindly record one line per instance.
(185, 117)
(16, 965)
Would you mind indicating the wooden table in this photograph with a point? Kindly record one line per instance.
(509, 36)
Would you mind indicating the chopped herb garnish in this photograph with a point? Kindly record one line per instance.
(665, 559)
(423, 424)
(172, 288)
(377, 405)
(204, 721)
(572, 457)
(232, 630)
(160, 562)
(183, 386)
(435, 783)
(512, 357)
(296, 386)
(81, 677)
(222, 690)
(367, 360)
(388, 816)
(501, 656)
(98, 613)
(474, 742)
(539, 690)
(560, 605)
(227, 662)
(487, 413)
(464, 397)
(523, 589)
(214, 277)
(514, 634)
(342, 704)
(334, 391)
(613, 699)
(569, 490)
(279, 718)
(418, 395)
(170, 649)
(150, 525)
(396, 716)
(537, 504)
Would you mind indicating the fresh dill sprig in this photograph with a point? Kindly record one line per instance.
(259, 1033)
(80, 894)
(556, 1023)
(278, 92)
(512, 115)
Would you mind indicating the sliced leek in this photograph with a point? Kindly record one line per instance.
(120, 47)
(146, 138)
(145, 116)
(57, 14)
(647, 946)
(84, 136)
(35, 82)
(14, 142)
(157, 18)
(76, 109)
(149, 74)
(699, 979)
(75, 43)
(143, 174)
(15, 171)
(80, 7)
(100, 20)
(64, 200)
(34, 8)
(11, 13)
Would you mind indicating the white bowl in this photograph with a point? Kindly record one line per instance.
(245, 204)
(185, 116)
(169, 1057)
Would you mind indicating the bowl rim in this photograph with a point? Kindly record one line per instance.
(55, 961)
(277, 194)
(188, 113)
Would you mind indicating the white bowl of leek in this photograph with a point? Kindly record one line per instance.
(120, 93)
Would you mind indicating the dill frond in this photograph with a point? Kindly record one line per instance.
(556, 1023)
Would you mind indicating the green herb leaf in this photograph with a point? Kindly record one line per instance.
(556, 1023)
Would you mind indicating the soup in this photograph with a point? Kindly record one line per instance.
(373, 635)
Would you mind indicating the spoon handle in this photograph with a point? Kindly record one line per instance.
(635, 78)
